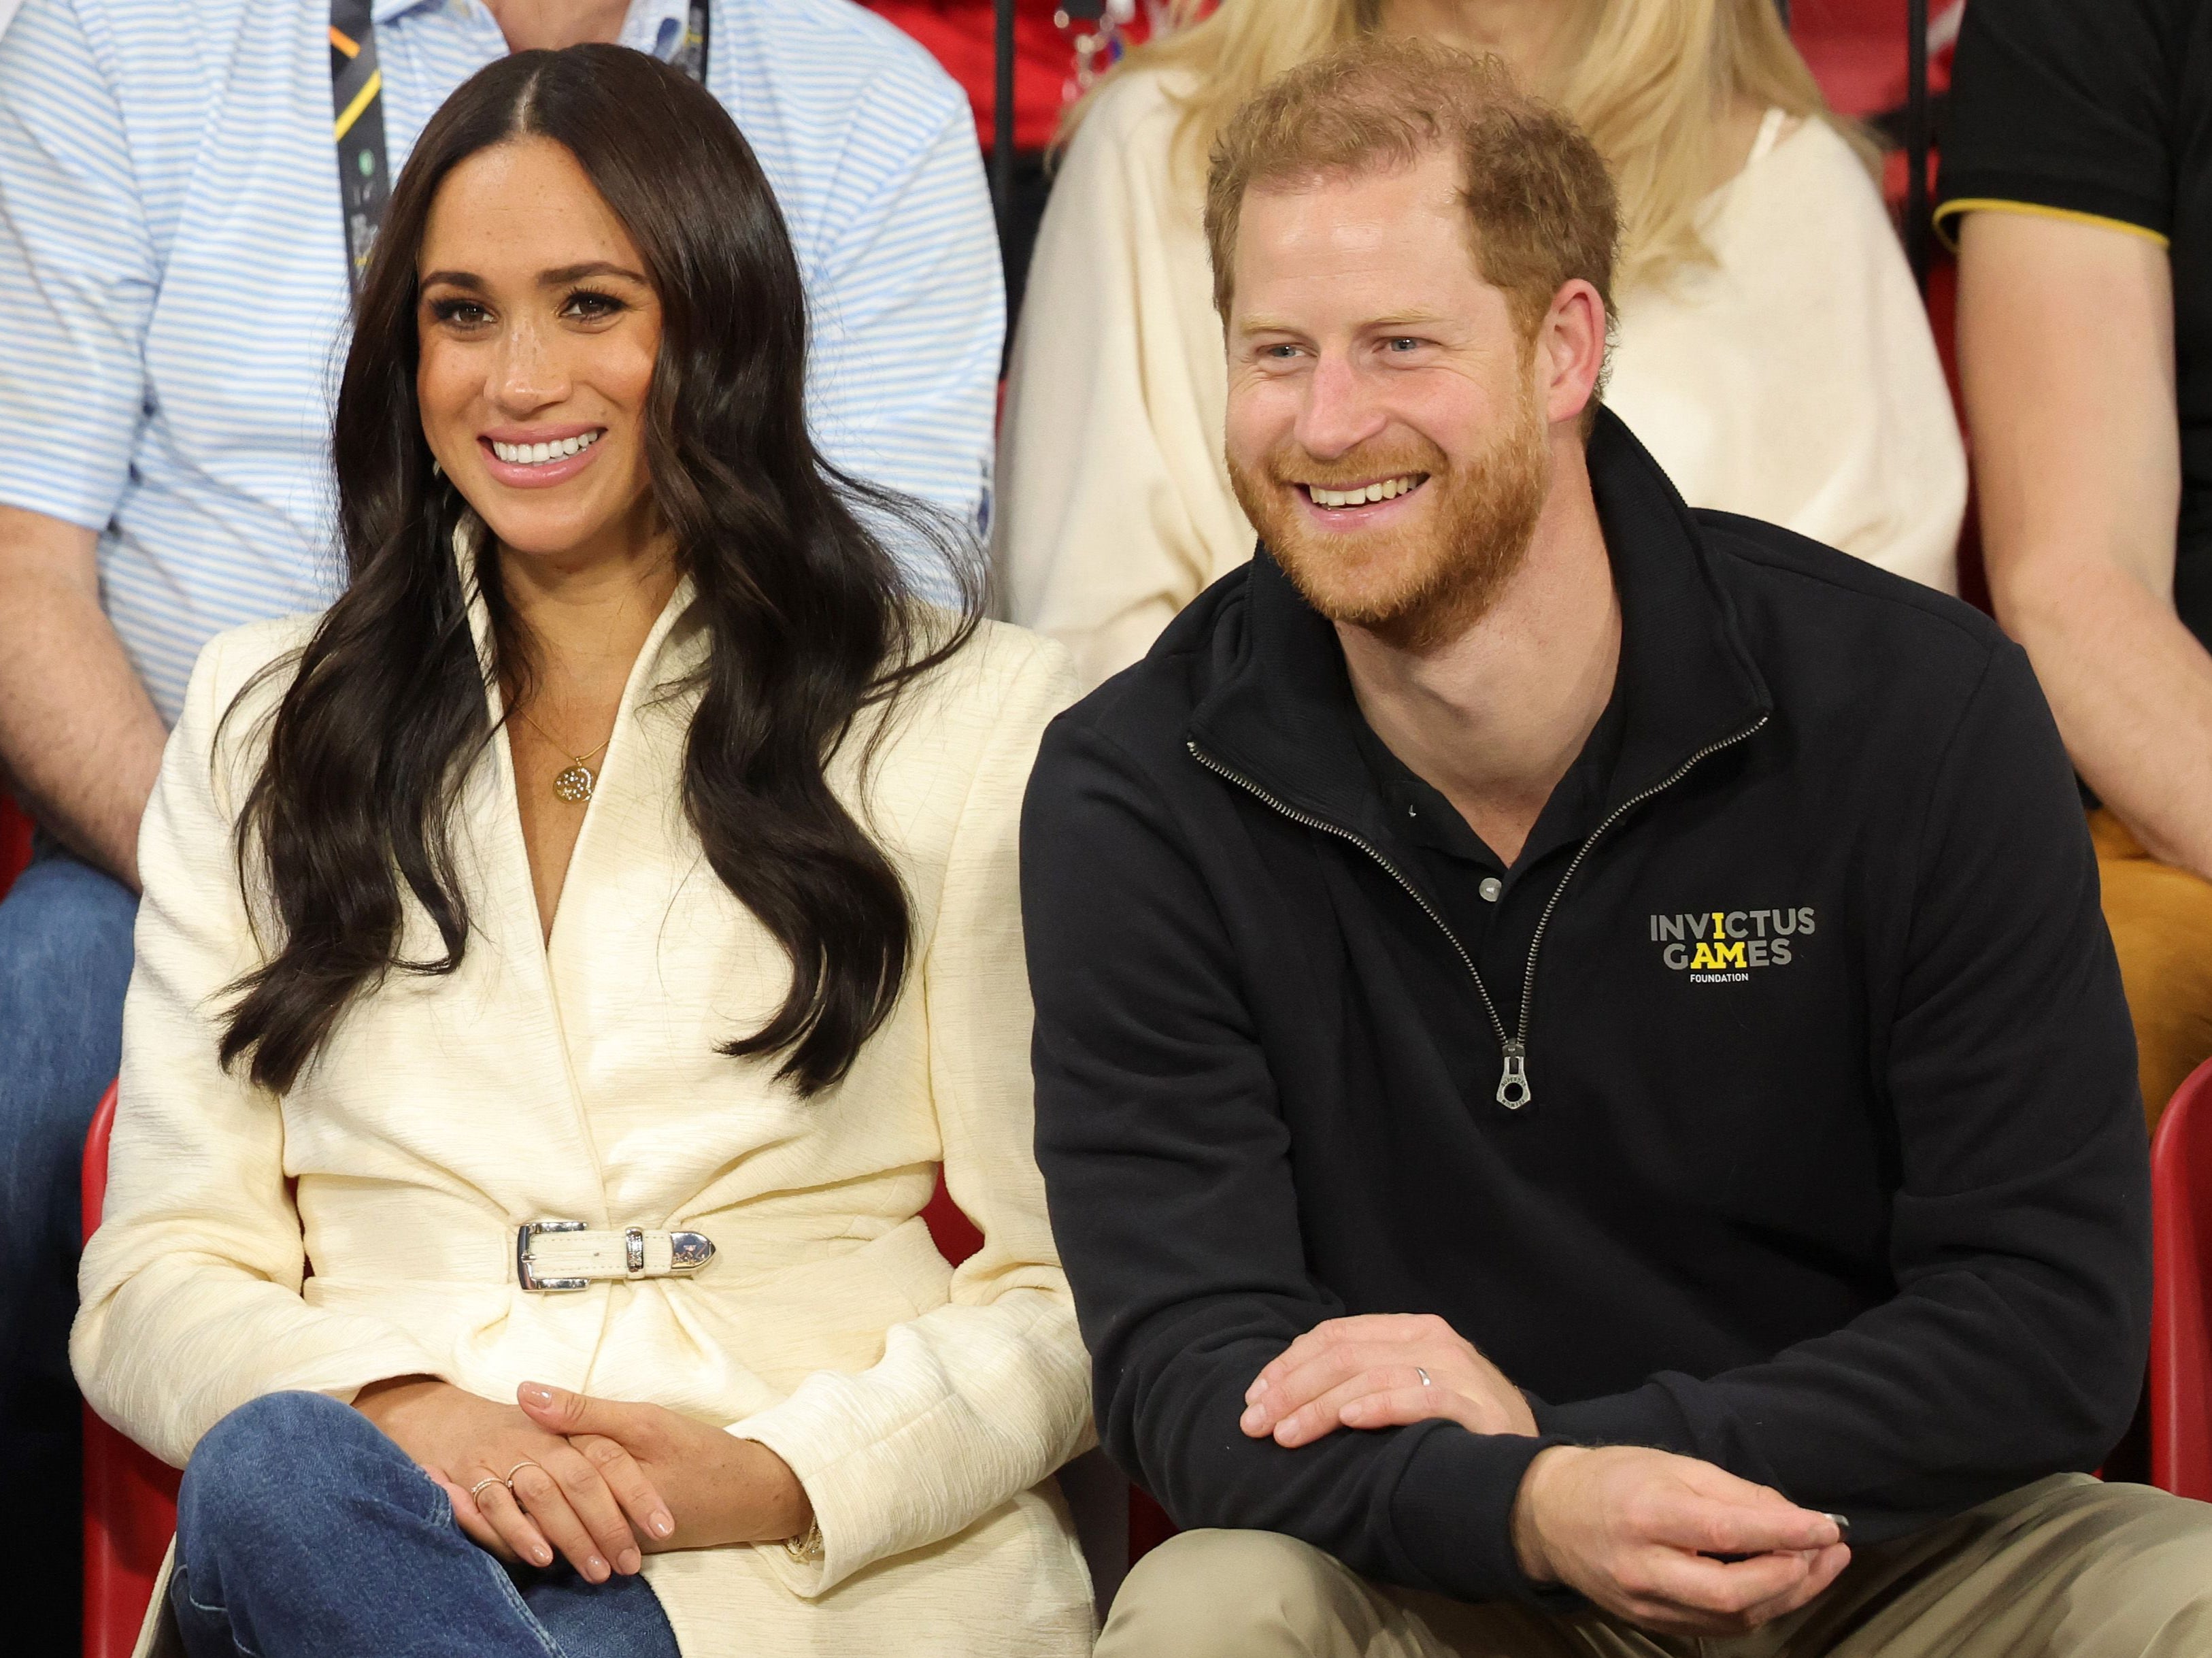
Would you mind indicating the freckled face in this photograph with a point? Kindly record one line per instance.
(538, 331)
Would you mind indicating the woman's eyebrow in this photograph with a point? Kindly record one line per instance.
(568, 273)
(559, 277)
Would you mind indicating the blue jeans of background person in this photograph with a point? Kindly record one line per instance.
(64, 960)
(302, 1529)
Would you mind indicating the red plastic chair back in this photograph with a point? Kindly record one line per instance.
(130, 1497)
(2181, 1297)
(15, 842)
(956, 1235)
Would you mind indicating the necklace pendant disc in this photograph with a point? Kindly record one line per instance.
(573, 784)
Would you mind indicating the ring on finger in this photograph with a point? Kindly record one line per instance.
(507, 1480)
(1424, 1376)
(476, 1491)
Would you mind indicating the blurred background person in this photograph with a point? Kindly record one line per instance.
(1773, 353)
(2083, 207)
(174, 262)
(1060, 53)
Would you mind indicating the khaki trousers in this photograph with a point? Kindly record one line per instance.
(2066, 1568)
(2161, 923)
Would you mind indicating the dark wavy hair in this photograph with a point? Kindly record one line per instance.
(809, 616)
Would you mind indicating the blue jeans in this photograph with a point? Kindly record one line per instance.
(64, 960)
(302, 1529)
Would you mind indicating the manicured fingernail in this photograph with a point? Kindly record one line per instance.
(542, 1555)
(661, 1524)
(629, 1561)
(594, 1568)
(538, 1393)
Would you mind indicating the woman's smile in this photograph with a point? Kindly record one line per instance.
(537, 458)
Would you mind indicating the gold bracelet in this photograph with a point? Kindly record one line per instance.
(807, 1547)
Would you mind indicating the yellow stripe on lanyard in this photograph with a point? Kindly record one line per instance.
(361, 101)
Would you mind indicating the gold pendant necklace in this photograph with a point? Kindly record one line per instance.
(574, 783)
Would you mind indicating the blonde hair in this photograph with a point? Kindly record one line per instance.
(1653, 83)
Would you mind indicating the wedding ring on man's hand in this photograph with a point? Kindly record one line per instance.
(1424, 1376)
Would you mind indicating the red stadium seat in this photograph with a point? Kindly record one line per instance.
(2181, 1297)
(956, 1235)
(1855, 50)
(15, 842)
(130, 1497)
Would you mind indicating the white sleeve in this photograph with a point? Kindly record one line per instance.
(78, 272)
(979, 1399)
(190, 1292)
(909, 310)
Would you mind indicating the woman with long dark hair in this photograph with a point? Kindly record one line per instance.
(565, 964)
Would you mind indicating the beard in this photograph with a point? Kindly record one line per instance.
(1415, 585)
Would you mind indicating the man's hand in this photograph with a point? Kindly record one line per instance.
(721, 1489)
(1636, 1532)
(1367, 1372)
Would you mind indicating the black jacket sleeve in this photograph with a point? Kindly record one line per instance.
(1166, 1161)
(2020, 1235)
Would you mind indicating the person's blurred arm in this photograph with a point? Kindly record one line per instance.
(2066, 347)
(79, 737)
(908, 308)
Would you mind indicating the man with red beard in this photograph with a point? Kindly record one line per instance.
(1585, 1094)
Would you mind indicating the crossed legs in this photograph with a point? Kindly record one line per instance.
(301, 1529)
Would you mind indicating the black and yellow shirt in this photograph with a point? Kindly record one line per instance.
(2101, 110)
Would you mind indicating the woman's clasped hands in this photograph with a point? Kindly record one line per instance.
(600, 1484)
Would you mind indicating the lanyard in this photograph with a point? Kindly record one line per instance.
(357, 115)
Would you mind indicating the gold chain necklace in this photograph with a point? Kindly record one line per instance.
(574, 781)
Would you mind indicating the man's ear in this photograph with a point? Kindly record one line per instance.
(1571, 349)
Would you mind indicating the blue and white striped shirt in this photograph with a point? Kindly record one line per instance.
(173, 289)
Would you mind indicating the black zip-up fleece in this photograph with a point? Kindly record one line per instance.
(1830, 1166)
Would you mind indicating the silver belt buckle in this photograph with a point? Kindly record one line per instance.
(527, 1278)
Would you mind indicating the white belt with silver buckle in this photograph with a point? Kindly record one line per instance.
(569, 1255)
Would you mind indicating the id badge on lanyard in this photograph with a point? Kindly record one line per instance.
(357, 117)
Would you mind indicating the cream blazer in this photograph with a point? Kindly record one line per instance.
(363, 1225)
(1794, 380)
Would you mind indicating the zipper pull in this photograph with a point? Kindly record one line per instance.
(1513, 1090)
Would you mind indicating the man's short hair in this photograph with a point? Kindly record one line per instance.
(1537, 194)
